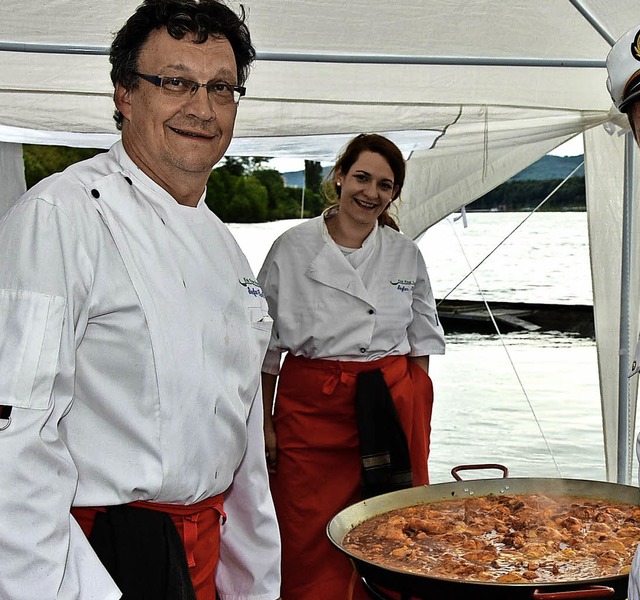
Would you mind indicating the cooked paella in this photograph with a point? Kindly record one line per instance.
(510, 538)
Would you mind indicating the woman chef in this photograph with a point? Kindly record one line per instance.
(354, 311)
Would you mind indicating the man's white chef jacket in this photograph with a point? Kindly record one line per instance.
(131, 337)
(374, 303)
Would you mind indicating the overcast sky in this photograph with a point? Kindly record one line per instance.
(573, 147)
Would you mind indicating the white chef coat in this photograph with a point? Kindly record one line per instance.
(132, 332)
(375, 302)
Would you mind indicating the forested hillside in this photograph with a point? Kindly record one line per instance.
(551, 167)
(526, 195)
(527, 189)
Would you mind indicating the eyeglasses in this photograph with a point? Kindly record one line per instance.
(221, 92)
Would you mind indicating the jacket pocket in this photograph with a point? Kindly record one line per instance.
(260, 319)
(31, 331)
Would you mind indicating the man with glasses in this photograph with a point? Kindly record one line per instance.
(132, 332)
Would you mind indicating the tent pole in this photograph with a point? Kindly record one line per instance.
(360, 59)
(624, 366)
(593, 20)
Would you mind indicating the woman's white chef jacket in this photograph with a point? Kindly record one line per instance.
(131, 337)
(375, 303)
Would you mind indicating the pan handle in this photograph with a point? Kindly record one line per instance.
(593, 591)
(454, 471)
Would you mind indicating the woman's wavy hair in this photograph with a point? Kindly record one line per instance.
(202, 18)
(371, 142)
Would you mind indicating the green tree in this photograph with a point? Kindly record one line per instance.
(42, 161)
(258, 162)
(314, 203)
(284, 202)
(289, 206)
(220, 188)
(273, 181)
(236, 165)
(249, 201)
(34, 170)
(313, 176)
(236, 199)
(244, 165)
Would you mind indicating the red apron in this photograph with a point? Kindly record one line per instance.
(319, 463)
(199, 528)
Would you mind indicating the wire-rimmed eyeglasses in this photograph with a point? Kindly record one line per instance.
(220, 91)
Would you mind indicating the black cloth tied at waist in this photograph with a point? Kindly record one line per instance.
(143, 553)
(386, 463)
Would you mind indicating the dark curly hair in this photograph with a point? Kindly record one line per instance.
(371, 142)
(202, 18)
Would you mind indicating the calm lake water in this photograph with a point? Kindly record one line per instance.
(529, 401)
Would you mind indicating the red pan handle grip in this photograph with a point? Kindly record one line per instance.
(454, 471)
(593, 591)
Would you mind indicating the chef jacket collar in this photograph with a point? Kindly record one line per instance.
(369, 241)
(135, 172)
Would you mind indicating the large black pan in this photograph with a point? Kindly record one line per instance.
(421, 586)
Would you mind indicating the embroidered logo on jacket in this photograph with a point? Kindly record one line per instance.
(404, 285)
(253, 286)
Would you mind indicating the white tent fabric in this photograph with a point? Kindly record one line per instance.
(604, 174)
(472, 90)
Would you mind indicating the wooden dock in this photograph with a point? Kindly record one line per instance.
(469, 315)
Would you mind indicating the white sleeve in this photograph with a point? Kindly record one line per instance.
(41, 284)
(426, 336)
(269, 280)
(249, 567)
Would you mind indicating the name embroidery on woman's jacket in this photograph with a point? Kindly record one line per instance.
(404, 285)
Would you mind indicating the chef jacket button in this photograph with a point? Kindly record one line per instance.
(95, 193)
(363, 350)
(128, 180)
(371, 311)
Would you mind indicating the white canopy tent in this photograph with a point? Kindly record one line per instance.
(472, 90)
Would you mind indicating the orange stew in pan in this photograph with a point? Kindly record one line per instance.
(521, 538)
